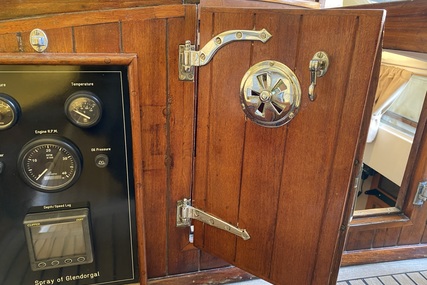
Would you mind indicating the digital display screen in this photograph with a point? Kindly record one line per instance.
(58, 240)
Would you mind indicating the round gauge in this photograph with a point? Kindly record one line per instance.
(50, 163)
(9, 111)
(83, 109)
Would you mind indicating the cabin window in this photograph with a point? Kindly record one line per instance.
(396, 118)
(405, 111)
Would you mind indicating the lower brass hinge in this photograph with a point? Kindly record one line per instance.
(185, 213)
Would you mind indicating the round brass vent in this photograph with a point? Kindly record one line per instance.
(270, 94)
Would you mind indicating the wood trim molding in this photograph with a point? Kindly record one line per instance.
(215, 276)
(69, 58)
(380, 221)
(276, 4)
(406, 24)
(30, 8)
(90, 18)
(384, 254)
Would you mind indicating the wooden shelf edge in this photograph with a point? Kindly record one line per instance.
(377, 221)
(384, 254)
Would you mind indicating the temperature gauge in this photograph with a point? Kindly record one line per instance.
(9, 111)
(83, 109)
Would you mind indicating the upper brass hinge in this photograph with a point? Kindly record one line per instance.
(185, 213)
(190, 58)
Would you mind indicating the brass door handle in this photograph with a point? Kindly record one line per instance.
(318, 67)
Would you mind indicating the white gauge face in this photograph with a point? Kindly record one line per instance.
(9, 112)
(83, 109)
(50, 164)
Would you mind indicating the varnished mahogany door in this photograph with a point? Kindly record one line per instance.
(289, 186)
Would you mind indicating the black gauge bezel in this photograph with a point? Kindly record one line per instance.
(16, 109)
(78, 95)
(56, 141)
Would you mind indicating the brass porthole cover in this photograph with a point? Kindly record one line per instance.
(270, 94)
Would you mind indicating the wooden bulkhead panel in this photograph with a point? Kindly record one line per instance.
(287, 186)
(165, 113)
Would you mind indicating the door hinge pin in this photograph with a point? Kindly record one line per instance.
(185, 213)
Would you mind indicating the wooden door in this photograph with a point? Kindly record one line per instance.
(289, 186)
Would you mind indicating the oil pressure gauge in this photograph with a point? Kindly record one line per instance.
(50, 163)
(9, 111)
(83, 109)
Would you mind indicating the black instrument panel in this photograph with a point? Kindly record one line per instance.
(65, 139)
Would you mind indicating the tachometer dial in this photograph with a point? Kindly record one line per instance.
(50, 163)
(83, 109)
(9, 111)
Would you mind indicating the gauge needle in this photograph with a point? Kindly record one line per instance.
(81, 114)
(41, 174)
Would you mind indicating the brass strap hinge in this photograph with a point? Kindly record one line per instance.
(185, 213)
(421, 195)
(190, 58)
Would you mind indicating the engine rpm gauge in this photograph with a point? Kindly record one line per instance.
(83, 109)
(9, 111)
(50, 163)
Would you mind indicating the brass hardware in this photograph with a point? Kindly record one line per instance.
(270, 94)
(189, 57)
(318, 67)
(38, 40)
(185, 213)
(421, 195)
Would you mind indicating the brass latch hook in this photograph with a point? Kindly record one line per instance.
(318, 67)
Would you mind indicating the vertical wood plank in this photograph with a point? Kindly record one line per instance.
(153, 87)
(315, 131)
(225, 138)
(263, 155)
(360, 239)
(9, 42)
(182, 255)
(208, 261)
(97, 38)
(60, 40)
(392, 237)
(379, 238)
(365, 44)
(202, 134)
(386, 237)
(424, 237)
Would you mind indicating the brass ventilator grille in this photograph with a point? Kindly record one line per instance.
(270, 94)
